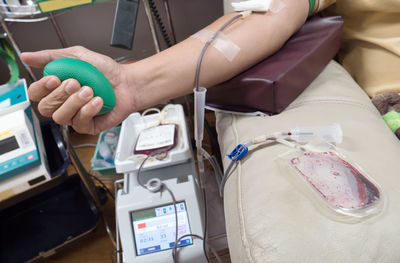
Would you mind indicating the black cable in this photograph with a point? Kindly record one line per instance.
(214, 142)
(188, 100)
(160, 23)
(205, 225)
(103, 186)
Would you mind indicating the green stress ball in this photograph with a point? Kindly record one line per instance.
(86, 75)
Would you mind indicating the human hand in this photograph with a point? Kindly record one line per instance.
(70, 104)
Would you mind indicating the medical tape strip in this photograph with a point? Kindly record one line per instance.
(259, 6)
(222, 43)
(7, 54)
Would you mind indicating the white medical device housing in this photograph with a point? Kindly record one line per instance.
(23, 162)
(130, 130)
(146, 220)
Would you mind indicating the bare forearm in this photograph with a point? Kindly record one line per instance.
(171, 73)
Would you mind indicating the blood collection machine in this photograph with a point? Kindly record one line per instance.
(23, 162)
(146, 219)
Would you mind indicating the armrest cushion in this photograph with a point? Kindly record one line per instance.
(275, 82)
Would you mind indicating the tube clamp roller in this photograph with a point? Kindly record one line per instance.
(87, 75)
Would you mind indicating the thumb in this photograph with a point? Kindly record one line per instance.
(39, 59)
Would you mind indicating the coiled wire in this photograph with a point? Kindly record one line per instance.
(160, 23)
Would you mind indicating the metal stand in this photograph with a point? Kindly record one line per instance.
(156, 42)
(58, 30)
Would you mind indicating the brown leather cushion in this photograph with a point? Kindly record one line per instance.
(271, 85)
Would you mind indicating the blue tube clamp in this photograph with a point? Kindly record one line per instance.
(238, 153)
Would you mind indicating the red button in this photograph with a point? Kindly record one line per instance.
(30, 157)
(142, 225)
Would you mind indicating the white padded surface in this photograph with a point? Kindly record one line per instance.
(270, 220)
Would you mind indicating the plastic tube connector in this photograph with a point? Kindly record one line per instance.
(245, 14)
(199, 103)
(331, 133)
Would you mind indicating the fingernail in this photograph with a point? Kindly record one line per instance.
(85, 93)
(70, 88)
(51, 84)
(96, 102)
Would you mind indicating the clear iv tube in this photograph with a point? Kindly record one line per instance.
(332, 133)
(208, 43)
(199, 103)
(214, 164)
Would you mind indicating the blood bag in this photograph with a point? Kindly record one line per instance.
(161, 138)
(340, 184)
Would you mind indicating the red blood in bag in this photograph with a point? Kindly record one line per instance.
(151, 141)
(336, 180)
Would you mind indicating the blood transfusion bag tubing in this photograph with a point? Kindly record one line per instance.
(331, 133)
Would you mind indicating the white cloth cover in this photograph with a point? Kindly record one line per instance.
(270, 220)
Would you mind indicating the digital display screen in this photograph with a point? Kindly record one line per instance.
(154, 228)
(8, 144)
